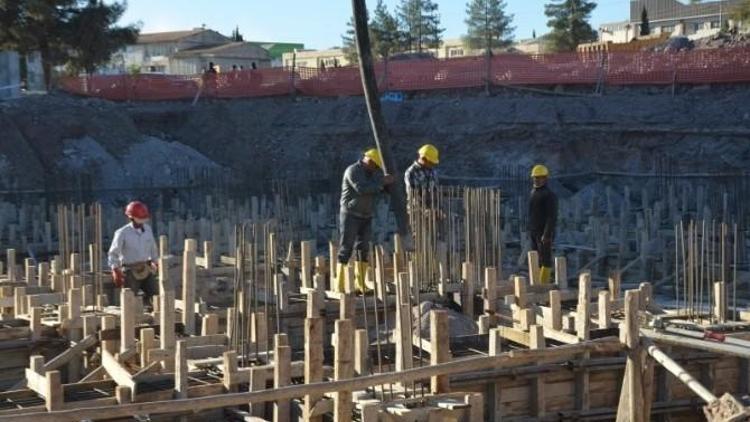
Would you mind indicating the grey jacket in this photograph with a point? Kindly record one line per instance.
(359, 190)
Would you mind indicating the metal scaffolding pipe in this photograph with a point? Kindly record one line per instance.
(678, 371)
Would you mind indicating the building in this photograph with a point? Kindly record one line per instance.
(276, 50)
(189, 52)
(670, 17)
(334, 57)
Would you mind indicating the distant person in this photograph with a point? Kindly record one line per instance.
(133, 255)
(253, 66)
(362, 184)
(542, 220)
(234, 68)
(421, 176)
(322, 66)
(211, 69)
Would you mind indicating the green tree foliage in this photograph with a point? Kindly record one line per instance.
(384, 32)
(568, 20)
(93, 35)
(645, 25)
(349, 42)
(741, 13)
(236, 36)
(420, 25)
(488, 25)
(81, 34)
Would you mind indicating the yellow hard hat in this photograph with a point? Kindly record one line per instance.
(540, 170)
(430, 153)
(374, 155)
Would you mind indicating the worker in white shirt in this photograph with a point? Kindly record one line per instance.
(133, 254)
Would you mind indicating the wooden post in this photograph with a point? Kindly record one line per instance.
(282, 376)
(604, 309)
(229, 364)
(306, 262)
(44, 279)
(123, 395)
(403, 325)
(188, 285)
(208, 254)
(467, 298)
(494, 402)
(614, 285)
(109, 323)
(163, 246)
(361, 352)
(645, 295)
(36, 323)
(53, 398)
(259, 330)
(11, 262)
(582, 310)
(127, 320)
(148, 342)
(30, 272)
(181, 371)
(315, 300)
(166, 326)
(313, 363)
(555, 304)
(347, 309)
(720, 302)
(631, 396)
(210, 325)
(536, 341)
(20, 301)
(520, 288)
(343, 369)
(534, 278)
(561, 272)
(490, 290)
(439, 349)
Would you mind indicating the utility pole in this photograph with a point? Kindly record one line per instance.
(379, 129)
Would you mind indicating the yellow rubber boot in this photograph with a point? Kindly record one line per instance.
(360, 270)
(340, 277)
(545, 274)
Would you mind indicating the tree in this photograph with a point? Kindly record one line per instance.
(568, 20)
(236, 36)
(93, 36)
(384, 32)
(488, 25)
(533, 34)
(645, 25)
(79, 33)
(420, 25)
(349, 43)
(741, 12)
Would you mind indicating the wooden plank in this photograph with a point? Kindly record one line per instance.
(116, 371)
(181, 371)
(313, 364)
(343, 369)
(53, 398)
(533, 259)
(167, 319)
(127, 320)
(282, 377)
(72, 353)
(440, 349)
(188, 285)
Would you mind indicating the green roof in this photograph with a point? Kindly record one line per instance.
(277, 49)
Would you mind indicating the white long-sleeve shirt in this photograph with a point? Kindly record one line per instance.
(131, 245)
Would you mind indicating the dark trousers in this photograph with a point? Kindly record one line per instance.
(148, 285)
(356, 233)
(544, 250)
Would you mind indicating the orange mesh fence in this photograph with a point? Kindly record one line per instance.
(610, 68)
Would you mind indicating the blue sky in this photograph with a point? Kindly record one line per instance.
(320, 23)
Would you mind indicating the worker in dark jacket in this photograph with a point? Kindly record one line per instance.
(542, 220)
(363, 183)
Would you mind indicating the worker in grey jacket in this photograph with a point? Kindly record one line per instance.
(363, 183)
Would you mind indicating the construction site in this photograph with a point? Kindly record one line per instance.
(643, 313)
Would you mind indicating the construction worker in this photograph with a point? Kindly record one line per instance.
(133, 254)
(542, 220)
(421, 175)
(362, 184)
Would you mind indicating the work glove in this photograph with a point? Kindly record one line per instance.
(118, 277)
(154, 267)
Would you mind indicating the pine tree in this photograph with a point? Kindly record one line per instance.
(488, 25)
(645, 25)
(349, 43)
(420, 25)
(568, 20)
(236, 36)
(384, 32)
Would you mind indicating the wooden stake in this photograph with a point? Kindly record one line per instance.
(210, 325)
(313, 363)
(561, 273)
(306, 262)
(181, 371)
(533, 258)
(282, 376)
(467, 299)
(188, 285)
(439, 349)
(127, 320)
(166, 326)
(343, 369)
(490, 290)
(604, 309)
(361, 352)
(53, 398)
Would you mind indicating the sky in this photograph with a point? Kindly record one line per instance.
(319, 23)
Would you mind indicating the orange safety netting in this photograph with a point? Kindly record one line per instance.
(610, 68)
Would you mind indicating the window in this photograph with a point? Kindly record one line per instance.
(667, 29)
(456, 52)
(697, 26)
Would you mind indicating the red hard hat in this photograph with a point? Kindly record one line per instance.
(137, 209)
